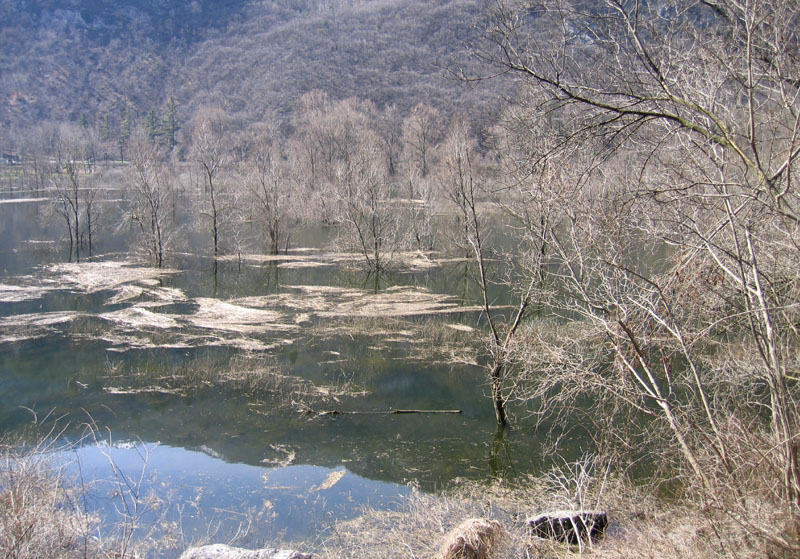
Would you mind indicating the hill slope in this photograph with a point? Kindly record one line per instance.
(60, 60)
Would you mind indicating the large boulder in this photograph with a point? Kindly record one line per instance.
(570, 527)
(222, 551)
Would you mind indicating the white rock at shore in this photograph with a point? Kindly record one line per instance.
(222, 551)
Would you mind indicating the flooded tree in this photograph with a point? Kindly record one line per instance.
(125, 130)
(151, 195)
(369, 222)
(421, 132)
(418, 211)
(75, 192)
(465, 182)
(269, 186)
(389, 126)
(211, 152)
(169, 124)
(38, 146)
(314, 145)
(327, 135)
(459, 183)
(339, 154)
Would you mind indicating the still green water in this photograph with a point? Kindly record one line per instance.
(80, 348)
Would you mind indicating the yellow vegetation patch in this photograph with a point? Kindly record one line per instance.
(91, 277)
(17, 293)
(221, 315)
(137, 317)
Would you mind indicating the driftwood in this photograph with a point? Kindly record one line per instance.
(386, 412)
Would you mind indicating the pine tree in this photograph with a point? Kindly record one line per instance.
(169, 124)
(151, 122)
(124, 132)
(105, 127)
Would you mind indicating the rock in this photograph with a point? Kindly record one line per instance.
(222, 551)
(474, 538)
(569, 526)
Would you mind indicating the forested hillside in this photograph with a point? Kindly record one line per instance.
(90, 60)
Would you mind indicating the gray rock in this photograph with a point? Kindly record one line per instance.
(222, 551)
(569, 526)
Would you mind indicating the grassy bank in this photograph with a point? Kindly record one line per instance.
(46, 513)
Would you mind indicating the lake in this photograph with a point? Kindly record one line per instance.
(253, 391)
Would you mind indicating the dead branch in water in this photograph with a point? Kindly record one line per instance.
(379, 412)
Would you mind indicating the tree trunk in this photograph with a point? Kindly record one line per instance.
(499, 401)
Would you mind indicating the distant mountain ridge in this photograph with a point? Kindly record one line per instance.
(90, 59)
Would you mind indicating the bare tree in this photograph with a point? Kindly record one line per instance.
(268, 183)
(389, 126)
(151, 195)
(308, 141)
(74, 188)
(211, 152)
(363, 195)
(464, 181)
(327, 134)
(672, 156)
(421, 132)
(39, 146)
(419, 208)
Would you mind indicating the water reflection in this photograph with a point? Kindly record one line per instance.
(501, 460)
(206, 498)
(114, 344)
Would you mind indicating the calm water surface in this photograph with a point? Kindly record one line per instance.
(218, 454)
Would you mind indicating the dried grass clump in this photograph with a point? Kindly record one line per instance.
(474, 538)
(423, 338)
(39, 515)
(47, 513)
(422, 522)
(259, 377)
(449, 342)
(91, 277)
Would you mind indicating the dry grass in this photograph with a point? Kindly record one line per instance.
(256, 377)
(40, 513)
(46, 506)
(409, 261)
(18, 293)
(425, 524)
(453, 343)
(341, 302)
(642, 525)
(91, 277)
(474, 538)
(143, 316)
(428, 340)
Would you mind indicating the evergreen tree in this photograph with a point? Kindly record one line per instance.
(169, 124)
(105, 127)
(124, 132)
(151, 125)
